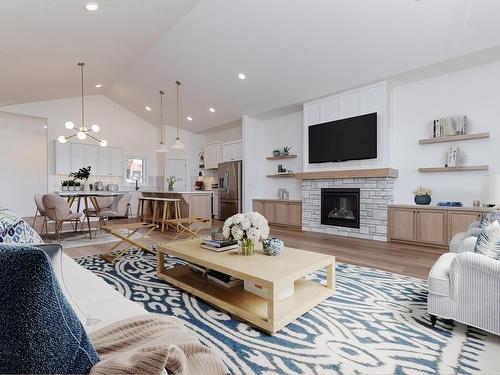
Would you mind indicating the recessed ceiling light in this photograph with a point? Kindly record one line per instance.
(92, 7)
(242, 76)
(211, 109)
(98, 86)
(147, 108)
(189, 118)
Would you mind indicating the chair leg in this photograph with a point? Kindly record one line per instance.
(433, 319)
(34, 219)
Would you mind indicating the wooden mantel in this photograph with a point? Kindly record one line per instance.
(348, 173)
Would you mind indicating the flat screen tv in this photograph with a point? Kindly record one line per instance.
(351, 138)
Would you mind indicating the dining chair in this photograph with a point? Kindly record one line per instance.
(122, 209)
(58, 209)
(40, 211)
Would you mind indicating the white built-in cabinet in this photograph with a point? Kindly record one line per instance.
(213, 155)
(104, 161)
(232, 151)
(219, 152)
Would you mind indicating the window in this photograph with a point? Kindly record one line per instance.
(136, 170)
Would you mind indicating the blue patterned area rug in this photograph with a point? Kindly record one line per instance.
(375, 324)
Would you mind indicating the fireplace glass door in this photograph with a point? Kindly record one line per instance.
(340, 207)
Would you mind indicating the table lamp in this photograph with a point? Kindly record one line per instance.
(491, 190)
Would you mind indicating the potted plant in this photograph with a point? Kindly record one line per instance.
(422, 195)
(171, 180)
(78, 186)
(276, 153)
(64, 185)
(71, 184)
(286, 150)
(82, 174)
(247, 229)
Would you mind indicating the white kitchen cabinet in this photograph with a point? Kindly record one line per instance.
(213, 155)
(231, 151)
(63, 158)
(104, 161)
(116, 162)
(103, 169)
(92, 158)
(77, 156)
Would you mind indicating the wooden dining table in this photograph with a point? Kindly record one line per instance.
(86, 196)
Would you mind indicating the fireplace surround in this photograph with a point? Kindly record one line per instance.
(340, 207)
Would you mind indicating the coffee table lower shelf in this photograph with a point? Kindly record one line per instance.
(246, 305)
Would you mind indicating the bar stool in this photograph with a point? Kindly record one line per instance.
(166, 211)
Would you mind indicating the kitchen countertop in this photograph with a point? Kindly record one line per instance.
(180, 192)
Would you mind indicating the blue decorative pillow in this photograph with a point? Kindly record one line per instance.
(488, 242)
(489, 217)
(13, 229)
(39, 331)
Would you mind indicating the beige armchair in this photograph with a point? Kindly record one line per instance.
(58, 210)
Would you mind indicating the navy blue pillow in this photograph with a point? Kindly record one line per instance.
(39, 331)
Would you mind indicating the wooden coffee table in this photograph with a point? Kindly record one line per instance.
(271, 272)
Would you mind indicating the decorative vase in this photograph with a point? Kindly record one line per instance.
(276, 153)
(86, 186)
(285, 153)
(272, 246)
(423, 199)
(246, 248)
(170, 188)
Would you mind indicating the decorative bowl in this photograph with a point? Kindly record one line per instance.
(276, 153)
(272, 246)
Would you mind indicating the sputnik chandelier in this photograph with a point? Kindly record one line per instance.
(82, 132)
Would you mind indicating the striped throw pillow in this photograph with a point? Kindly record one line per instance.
(488, 242)
(489, 217)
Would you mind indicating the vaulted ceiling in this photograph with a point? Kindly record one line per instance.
(290, 51)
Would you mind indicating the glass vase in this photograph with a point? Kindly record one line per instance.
(246, 248)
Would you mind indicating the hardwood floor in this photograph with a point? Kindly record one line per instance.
(403, 259)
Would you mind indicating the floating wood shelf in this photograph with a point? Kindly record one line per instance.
(281, 175)
(454, 138)
(281, 157)
(455, 169)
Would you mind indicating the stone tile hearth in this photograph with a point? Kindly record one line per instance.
(376, 193)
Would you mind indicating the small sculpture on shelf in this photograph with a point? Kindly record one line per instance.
(422, 195)
(286, 150)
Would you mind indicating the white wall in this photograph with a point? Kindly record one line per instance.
(261, 137)
(368, 99)
(120, 127)
(23, 166)
(472, 92)
(227, 133)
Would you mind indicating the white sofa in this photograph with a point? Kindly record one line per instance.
(465, 286)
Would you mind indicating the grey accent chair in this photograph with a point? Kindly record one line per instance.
(465, 286)
(120, 209)
(58, 210)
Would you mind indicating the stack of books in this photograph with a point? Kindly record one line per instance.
(223, 279)
(219, 245)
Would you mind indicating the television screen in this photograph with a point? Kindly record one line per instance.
(351, 138)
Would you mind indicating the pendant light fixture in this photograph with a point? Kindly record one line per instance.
(161, 147)
(82, 132)
(178, 145)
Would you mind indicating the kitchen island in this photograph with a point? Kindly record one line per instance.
(197, 203)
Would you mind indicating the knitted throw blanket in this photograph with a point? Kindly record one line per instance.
(151, 344)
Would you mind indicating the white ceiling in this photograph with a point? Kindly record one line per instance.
(291, 51)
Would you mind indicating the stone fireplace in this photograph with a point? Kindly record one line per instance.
(340, 207)
(354, 206)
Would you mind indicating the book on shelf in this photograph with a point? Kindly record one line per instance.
(223, 279)
(452, 156)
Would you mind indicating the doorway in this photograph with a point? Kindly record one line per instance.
(177, 168)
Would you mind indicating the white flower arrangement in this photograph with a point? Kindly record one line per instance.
(246, 227)
(422, 191)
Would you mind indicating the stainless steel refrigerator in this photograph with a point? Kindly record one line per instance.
(230, 189)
